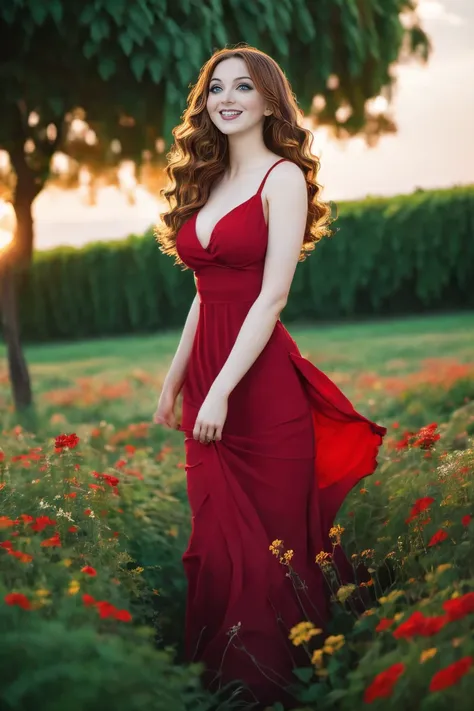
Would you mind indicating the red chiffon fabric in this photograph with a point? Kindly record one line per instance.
(292, 448)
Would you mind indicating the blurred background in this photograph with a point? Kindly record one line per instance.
(432, 106)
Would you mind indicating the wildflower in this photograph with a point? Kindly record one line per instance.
(382, 686)
(88, 600)
(335, 533)
(391, 597)
(333, 643)
(466, 520)
(54, 541)
(64, 440)
(72, 529)
(302, 632)
(426, 437)
(324, 560)
(441, 568)
(41, 523)
(345, 591)
(427, 654)
(368, 553)
(123, 616)
(438, 537)
(451, 674)
(418, 624)
(317, 658)
(274, 547)
(384, 624)
(41, 592)
(420, 505)
(18, 599)
(459, 607)
(364, 491)
(74, 587)
(67, 562)
(89, 570)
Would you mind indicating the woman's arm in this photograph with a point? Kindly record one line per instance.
(175, 377)
(288, 211)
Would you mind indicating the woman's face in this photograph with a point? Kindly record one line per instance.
(230, 87)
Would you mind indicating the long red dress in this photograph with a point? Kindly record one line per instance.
(292, 448)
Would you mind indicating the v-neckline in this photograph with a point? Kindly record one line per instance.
(252, 197)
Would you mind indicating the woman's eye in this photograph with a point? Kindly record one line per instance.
(218, 87)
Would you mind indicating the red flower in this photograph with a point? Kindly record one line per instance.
(106, 609)
(51, 542)
(107, 478)
(419, 506)
(438, 537)
(72, 495)
(382, 686)
(88, 600)
(26, 518)
(87, 512)
(123, 616)
(459, 607)
(89, 570)
(466, 520)
(66, 440)
(384, 624)
(72, 529)
(451, 674)
(418, 624)
(41, 523)
(427, 437)
(405, 441)
(18, 599)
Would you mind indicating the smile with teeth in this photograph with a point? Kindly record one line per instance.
(229, 112)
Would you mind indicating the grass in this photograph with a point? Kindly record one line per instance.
(108, 519)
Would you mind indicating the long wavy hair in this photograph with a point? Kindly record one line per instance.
(200, 156)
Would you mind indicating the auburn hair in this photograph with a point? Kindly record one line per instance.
(200, 156)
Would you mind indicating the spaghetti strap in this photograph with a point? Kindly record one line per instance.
(266, 174)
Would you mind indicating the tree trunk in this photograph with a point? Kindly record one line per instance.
(19, 376)
(14, 261)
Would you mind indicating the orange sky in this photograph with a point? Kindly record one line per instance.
(433, 107)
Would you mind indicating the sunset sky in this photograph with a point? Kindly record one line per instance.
(434, 146)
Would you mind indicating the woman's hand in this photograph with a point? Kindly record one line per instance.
(164, 413)
(211, 418)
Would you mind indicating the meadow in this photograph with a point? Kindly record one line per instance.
(94, 520)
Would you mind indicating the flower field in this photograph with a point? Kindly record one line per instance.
(94, 520)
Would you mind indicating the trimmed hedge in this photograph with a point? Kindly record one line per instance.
(405, 254)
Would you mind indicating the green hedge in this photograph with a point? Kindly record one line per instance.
(409, 253)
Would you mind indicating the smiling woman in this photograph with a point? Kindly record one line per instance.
(272, 445)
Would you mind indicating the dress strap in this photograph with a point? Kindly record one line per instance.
(266, 175)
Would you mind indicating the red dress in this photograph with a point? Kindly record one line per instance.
(292, 448)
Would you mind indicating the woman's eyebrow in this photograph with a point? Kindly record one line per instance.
(236, 79)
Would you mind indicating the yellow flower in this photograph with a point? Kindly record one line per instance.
(74, 587)
(370, 611)
(345, 591)
(274, 547)
(335, 533)
(138, 570)
(323, 559)
(333, 643)
(398, 616)
(302, 632)
(317, 658)
(368, 553)
(427, 654)
(67, 562)
(287, 557)
(455, 594)
(441, 568)
(391, 597)
(42, 592)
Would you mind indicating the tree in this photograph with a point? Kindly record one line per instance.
(128, 66)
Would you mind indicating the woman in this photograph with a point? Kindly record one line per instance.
(272, 445)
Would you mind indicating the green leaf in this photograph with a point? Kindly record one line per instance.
(126, 42)
(56, 10)
(100, 29)
(137, 64)
(89, 49)
(87, 15)
(39, 11)
(304, 673)
(106, 67)
(155, 67)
